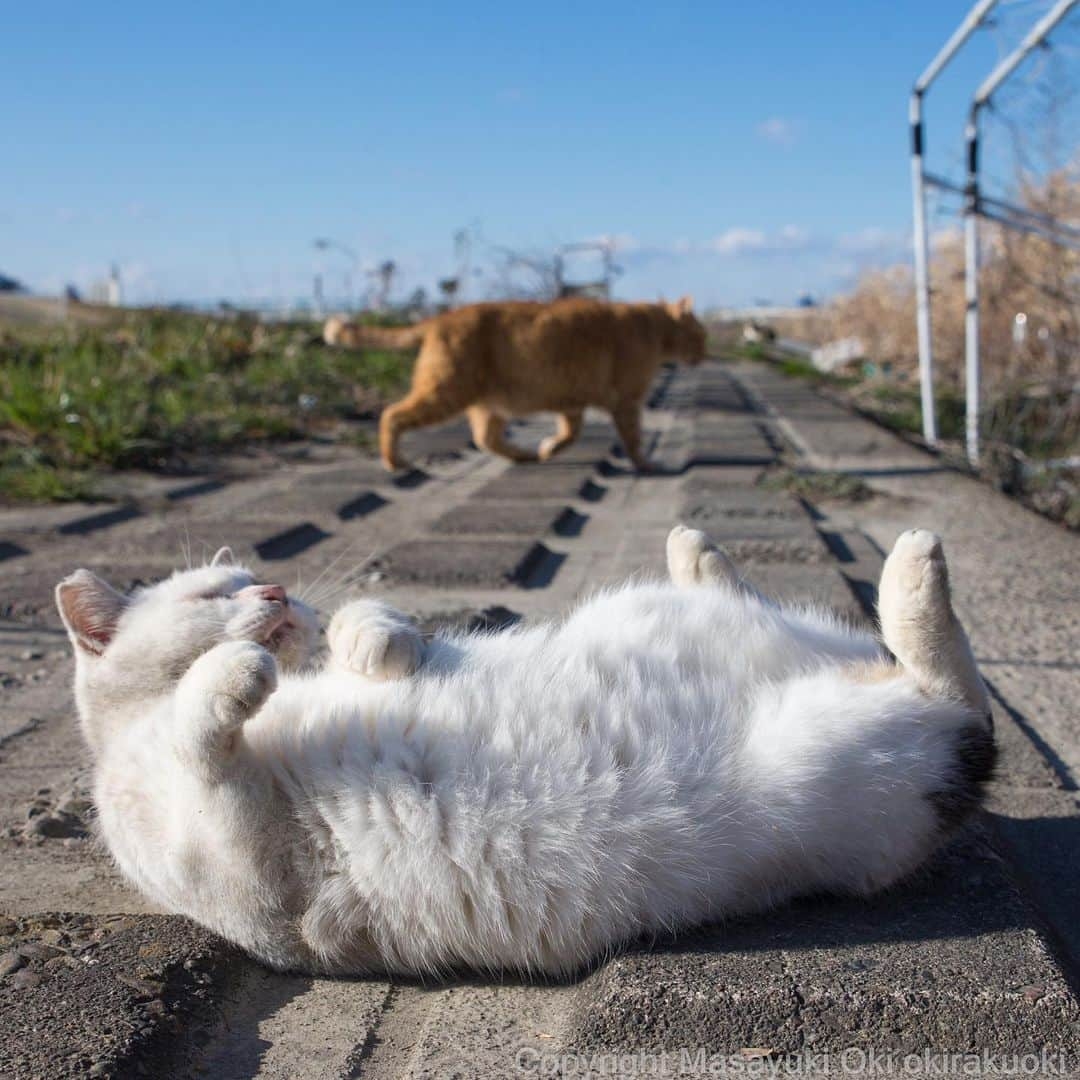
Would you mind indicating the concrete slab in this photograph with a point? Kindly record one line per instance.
(719, 480)
(106, 996)
(753, 450)
(460, 563)
(1038, 829)
(711, 490)
(479, 516)
(952, 961)
(811, 582)
(550, 480)
(762, 539)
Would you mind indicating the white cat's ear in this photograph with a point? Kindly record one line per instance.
(90, 609)
(224, 557)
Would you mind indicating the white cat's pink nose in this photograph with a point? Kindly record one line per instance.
(264, 592)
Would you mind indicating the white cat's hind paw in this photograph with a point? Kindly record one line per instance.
(914, 593)
(693, 559)
(918, 623)
(373, 640)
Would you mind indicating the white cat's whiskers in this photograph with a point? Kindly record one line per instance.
(185, 547)
(325, 570)
(316, 595)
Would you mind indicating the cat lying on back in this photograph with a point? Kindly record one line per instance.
(500, 360)
(665, 755)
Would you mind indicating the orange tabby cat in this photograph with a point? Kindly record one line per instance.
(499, 360)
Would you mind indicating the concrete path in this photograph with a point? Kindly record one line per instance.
(978, 954)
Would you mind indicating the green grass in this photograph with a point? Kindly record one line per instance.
(25, 478)
(795, 366)
(899, 407)
(161, 387)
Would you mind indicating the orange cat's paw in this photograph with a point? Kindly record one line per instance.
(548, 448)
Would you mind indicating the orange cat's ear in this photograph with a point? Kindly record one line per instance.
(90, 609)
(685, 306)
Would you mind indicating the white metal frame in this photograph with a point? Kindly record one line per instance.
(976, 205)
(919, 181)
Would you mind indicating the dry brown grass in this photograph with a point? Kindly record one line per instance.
(1020, 273)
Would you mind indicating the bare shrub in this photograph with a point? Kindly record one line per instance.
(1020, 274)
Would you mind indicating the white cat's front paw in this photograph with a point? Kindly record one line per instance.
(373, 640)
(238, 676)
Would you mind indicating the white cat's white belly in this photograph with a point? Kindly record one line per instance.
(557, 792)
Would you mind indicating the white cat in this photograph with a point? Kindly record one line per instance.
(666, 755)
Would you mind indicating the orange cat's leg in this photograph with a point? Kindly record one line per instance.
(627, 417)
(419, 409)
(489, 433)
(569, 427)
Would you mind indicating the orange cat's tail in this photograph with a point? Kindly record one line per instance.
(350, 335)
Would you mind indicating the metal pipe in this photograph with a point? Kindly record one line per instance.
(1011, 62)
(971, 292)
(933, 180)
(920, 238)
(971, 23)
(921, 249)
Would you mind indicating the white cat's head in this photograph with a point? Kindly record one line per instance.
(131, 649)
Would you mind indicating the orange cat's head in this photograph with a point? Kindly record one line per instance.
(686, 334)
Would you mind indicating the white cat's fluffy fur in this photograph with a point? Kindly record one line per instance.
(666, 755)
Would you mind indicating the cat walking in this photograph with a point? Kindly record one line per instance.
(496, 361)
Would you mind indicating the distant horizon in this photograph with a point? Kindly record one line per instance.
(338, 306)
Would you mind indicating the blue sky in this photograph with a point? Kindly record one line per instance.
(737, 150)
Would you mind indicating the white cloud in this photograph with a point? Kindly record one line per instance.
(743, 241)
(621, 242)
(872, 241)
(738, 241)
(776, 130)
